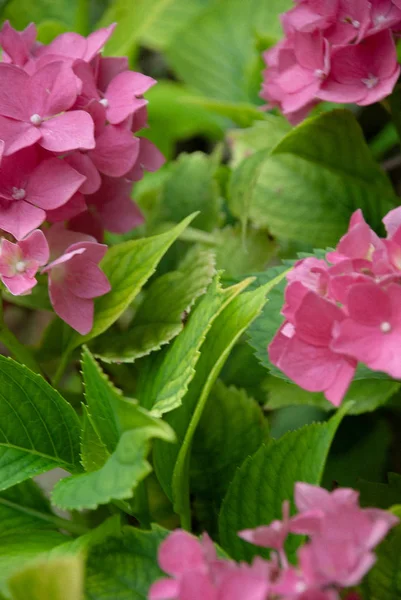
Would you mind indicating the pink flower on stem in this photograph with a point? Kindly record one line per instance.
(310, 15)
(17, 45)
(33, 109)
(364, 73)
(385, 15)
(31, 184)
(303, 349)
(20, 262)
(75, 278)
(352, 21)
(372, 331)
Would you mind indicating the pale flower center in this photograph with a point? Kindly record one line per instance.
(320, 74)
(353, 22)
(20, 266)
(104, 102)
(379, 19)
(18, 193)
(385, 327)
(371, 81)
(36, 120)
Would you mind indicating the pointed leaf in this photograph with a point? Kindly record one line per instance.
(160, 316)
(267, 478)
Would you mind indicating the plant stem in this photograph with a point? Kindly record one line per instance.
(60, 523)
(18, 350)
(61, 368)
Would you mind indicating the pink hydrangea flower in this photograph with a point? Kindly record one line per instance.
(31, 184)
(75, 278)
(302, 349)
(20, 262)
(41, 113)
(363, 74)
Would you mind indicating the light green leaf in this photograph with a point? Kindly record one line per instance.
(384, 580)
(19, 506)
(38, 299)
(172, 464)
(164, 381)
(125, 566)
(242, 114)
(231, 428)
(18, 549)
(160, 316)
(307, 190)
(174, 116)
(367, 395)
(93, 451)
(263, 135)
(126, 430)
(22, 12)
(192, 187)
(128, 266)
(38, 429)
(267, 478)
(49, 29)
(57, 579)
(153, 23)
(239, 254)
(216, 54)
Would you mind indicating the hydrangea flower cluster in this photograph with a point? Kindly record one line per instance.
(336, 50)
(342, 311)
(337, 555)
(69, 159)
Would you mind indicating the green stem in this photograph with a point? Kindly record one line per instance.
(60, 369)
(18, 350)
(393, 105)
(60, 523)
(82, 17)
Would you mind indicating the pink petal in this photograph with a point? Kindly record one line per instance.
(268, 536)
(149, 159)
(368, 304)
(85, 279)
(73, 207)
(314, 319)
(97, 40)
(93, 251)
(19, 284)
(60, 238)
(17, 135)
(180, 552)
(13, 99)
(244, 584)
(392, 221)
(336, 391)
(52, 184)
(52, 90)
(116, 151)
(19, 217)
(311, 497)
(17, 44)
(120, 215)
(68, 44)
(77, 312)
(88, 222)
(109, 67)
(72, 130)
(195, 585)
(164, 589)
(35, 247)
(83, 164)
(123, 92)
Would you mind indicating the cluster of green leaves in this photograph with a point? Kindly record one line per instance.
(169, 412)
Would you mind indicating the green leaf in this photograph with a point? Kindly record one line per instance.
(306, 189)
(231, 428)
(243, 114)
(128, 266)
(172, 464)
(18, 549)
(164, 381)
(263, 135)
(238, 254)
(267, 478)
(380, 495)
(111, 527)
(19, 506)
(384, 580)
(38, 429)
(93, 451)
(192, 187)
(125, 429)
(216, 53)
(125, 566)
(367, 395)
(160, 316)
(50, 29)
(174, 115)
(153, 23)
(38, 299)
(22, 12)
(57, 579)
(361, 450)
